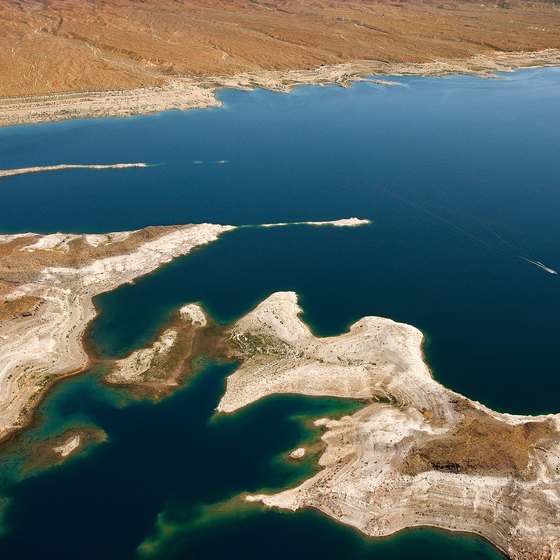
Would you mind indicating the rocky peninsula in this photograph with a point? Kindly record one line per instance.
(416, 454)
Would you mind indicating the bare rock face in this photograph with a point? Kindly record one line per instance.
(421, 455)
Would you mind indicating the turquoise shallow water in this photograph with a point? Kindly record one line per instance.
(460, 179)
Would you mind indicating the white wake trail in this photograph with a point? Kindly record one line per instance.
(542, 266)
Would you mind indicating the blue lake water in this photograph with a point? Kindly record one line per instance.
(460, 177)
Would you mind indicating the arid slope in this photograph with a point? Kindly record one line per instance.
(49, 46)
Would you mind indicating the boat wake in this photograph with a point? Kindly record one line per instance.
(499, 238)
(542, 266)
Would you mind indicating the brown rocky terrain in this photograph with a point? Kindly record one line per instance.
(23, 306)
(481, 445)
(65, 59)
(49, 46)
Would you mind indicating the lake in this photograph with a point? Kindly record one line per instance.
(460, 178)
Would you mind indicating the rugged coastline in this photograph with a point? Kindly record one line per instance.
(405, 451)
(64, 273)
(414, 454)
(421, 456)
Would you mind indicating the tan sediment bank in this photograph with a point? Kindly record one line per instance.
(176, 94)
(56, 450)
(183, 93)
(425, 456)
(47, 284)
(63, 166)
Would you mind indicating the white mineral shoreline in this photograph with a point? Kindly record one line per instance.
(183, 93)
(64, 166)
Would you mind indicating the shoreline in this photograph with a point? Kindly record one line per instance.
(367, 538)
(368, 471)
(404, 458)
(182, 93)
(35, 355)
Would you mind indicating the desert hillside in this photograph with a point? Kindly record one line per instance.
(49, 46)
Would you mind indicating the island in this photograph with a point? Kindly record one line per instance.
(64, 166)
(52, 451)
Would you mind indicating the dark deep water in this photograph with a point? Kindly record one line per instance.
(460, 177)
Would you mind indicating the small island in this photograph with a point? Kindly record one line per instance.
(57, 449)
